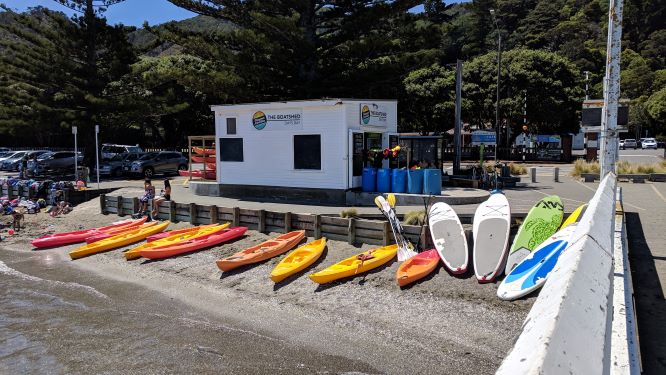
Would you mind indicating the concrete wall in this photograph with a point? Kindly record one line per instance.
(568, 330)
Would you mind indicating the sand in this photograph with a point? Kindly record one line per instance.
(441, 324)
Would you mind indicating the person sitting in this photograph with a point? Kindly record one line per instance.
(165, 195)
(148, 196)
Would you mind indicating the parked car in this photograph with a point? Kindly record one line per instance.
(11, 163)
(4, 149)
(57, 161)
(111, 150)
(158, 162)
(621, 144)
(649, 143)
(629, 143)
(8, 155)
(116, 165)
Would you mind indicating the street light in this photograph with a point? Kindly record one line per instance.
(497, 102)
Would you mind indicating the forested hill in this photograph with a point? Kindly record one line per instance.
(155, 83)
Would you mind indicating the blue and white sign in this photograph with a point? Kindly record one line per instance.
(483, 137)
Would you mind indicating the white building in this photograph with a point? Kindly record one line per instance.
(311, 148)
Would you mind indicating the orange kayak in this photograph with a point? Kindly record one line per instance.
(201, 159)
(141, 223)
(203, 151)
(262, 251)
(417, 267)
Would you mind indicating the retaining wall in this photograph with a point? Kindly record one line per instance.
(575, 326)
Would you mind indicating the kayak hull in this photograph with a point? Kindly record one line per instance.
(115, 242)
(195, 244)
(174, 239)
(417, 267)
(353, 265)
(298, 260)
(262, 251)
(68, 238)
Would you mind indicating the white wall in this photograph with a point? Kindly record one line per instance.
(269, 154)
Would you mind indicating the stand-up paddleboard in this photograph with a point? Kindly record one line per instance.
(449, 237)
(575, 216)
(541, 222)
(533, 271)
(492, 224)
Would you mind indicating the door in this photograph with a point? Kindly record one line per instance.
(395, 162)
(355, 159)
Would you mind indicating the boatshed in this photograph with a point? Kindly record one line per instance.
(312, 149)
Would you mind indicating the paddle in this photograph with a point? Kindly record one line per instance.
(405, 248)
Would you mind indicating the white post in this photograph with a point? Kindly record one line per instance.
(97, 153)
(609, 144)
(76, 156)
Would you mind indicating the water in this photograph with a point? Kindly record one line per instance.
(55, 320)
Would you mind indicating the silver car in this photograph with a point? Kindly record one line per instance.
(12, 163)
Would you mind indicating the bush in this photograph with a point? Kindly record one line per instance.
(349, 212)
(415, 217)
(581, 166)
(517, 169)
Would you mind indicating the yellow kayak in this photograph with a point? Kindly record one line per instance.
(356, 264)
(204, 230)
(298, 260)
(575, 216)
(117, 241)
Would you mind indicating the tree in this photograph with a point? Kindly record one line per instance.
(431, 103)
(656, 108)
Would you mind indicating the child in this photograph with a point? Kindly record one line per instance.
(148, 195)
(165, 195)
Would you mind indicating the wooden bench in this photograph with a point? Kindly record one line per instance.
(635, 178)
(508, 182)
(658, 177)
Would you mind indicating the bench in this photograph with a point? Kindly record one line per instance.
(658, 177)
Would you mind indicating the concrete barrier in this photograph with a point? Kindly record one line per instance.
(568, 330)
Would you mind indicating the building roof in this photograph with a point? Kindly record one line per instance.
(301, 103)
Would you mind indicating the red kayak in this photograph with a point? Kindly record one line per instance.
(68, 238)
(203, 151)
(201, 159)
(211, 166)
(139, 223)
(198, 173)
(194, 244)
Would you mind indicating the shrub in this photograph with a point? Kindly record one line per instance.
(349, 212)
(517, 169)
(415, 217)
(581, 166)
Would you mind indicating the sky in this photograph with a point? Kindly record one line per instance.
(130, 12)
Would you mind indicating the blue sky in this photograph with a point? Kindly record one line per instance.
(130, 12)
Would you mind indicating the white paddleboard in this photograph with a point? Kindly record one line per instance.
(533, 271)
(492, 224)
(449, 237)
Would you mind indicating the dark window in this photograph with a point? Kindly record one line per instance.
(231, 149)
(307, 151)
(231, 125)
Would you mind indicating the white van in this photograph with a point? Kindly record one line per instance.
(111, 150)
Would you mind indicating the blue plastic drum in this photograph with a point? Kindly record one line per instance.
(369, 180)
(399, 180)
(384, 180)
(415, 181)
(432, 182)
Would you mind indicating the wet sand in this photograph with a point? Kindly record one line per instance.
(366, 324)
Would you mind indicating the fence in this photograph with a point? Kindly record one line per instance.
(352, 230)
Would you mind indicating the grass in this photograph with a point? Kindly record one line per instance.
(349, 212)
(623, 167)
(414, 217)
(517, 169)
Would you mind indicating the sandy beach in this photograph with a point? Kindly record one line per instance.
(366, 324)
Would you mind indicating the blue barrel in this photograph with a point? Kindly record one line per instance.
(369, 179)
(384, 180)
(432, 182)
(415, 181)
(399, 181)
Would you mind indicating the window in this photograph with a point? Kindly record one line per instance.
(231, 125)
(231, 149)
(307, 152)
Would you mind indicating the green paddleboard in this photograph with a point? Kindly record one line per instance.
(541, 222)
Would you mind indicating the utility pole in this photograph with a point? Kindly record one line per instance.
(609, 144)
(499, 70)
(457, 130)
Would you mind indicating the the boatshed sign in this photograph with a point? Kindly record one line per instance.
(280, 119)
(373, 114)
